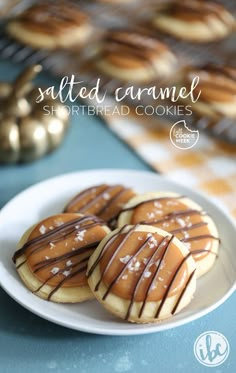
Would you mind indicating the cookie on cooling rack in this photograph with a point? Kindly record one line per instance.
(133, 56)
(142, 274)
(179, 216)
(216, 90)
(49, 25)
(52, 256)
(194, 20)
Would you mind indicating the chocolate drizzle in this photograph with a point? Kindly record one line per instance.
(52, 18)
(102, 200)
(195, 10)
(164, 245)
(59, 234)
(134, 45)
(185, 232)
(217, 83)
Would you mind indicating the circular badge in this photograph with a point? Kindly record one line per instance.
(182, 137)
(211, 348)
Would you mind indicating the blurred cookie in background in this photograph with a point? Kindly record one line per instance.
(51, 26)
(194, 20)
(216, 89)
(133, 56)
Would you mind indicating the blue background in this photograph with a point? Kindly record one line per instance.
(31, 344)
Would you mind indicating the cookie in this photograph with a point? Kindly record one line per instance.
(51, 26)
(179, 216)
(216, 90)
(194, 20)
(52, 256)
(105, 201)
(133, 56)
(142, 274)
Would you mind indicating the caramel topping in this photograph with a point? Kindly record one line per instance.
(197, 11)
(103, 200)
(52, 18)
(58, 249)
(131, 49)
(217, 83)
(174, 216)
(142, 267)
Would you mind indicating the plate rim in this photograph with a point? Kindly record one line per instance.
(156, 327)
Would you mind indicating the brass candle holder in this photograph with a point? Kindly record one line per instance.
(27, 131)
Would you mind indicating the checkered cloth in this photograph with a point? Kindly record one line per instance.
(210, 166)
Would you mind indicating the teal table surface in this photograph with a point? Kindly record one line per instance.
(30, 344)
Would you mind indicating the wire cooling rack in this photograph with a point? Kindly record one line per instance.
(134, 16)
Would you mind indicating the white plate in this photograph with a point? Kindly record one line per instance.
(49, 197)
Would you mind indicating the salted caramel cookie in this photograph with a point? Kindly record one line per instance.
(105, 201)
(194, 20)
(179, 216)
(49, 25)
(132, 56)
(142, 274)
(52, 256)
(216, 90)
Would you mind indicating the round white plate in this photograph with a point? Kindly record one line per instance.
(50, 196)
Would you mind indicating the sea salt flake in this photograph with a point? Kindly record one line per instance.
(69, 263)
(106, 196)
(58, 223)
(181, 222)
(51, 244)
(147, 274)
(140, 238)
(125, 259)
(80, 235)
(124, 277)
(73, 249)
(186, 234)
(151, 245)
(150, 215)
(51, 227)
(165, 286)
(47, 257)
(145, 260)
(55, 270)
(158, 205)
(66, 273)
(160, 279)
(42, 229)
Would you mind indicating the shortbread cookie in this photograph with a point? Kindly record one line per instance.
(49, 25)
(142, 274)
(132, 56)
(194, 20)
(53, 255)
(181, 217)
(216, 90)
(105, 201)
